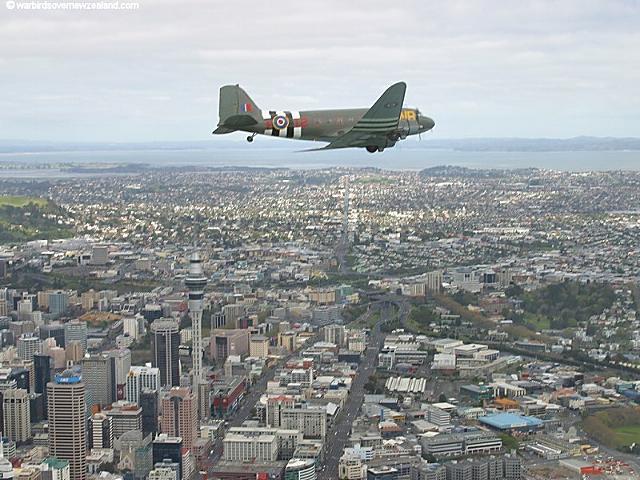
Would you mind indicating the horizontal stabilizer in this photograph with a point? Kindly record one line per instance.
(222, 130)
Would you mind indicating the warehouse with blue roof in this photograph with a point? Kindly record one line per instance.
(512, 422)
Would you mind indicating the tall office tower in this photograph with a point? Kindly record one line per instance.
(73, 352)
(233, 312)
(140, 378)
(98, 375)
(204, 400)
(76, 331)
(126, 416)
(42, 367)
(275, 406)
(152, 312)
(228, 342)
(25, 309)
(180, 415)
(196, 283)
(67, 435)
(169, 448)
(28, 345)
(53, 330)
(101, 431)
(23, 375)
(122, 359)
(58, 302)
(17, 417)
(164, 350)
(149, 403)
(3, 268)
(345, 218)
(334, 334)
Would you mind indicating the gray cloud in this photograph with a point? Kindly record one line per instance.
(480, 68)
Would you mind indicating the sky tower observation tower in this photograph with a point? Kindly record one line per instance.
(196, 282)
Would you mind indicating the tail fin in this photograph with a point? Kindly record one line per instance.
(236, 110)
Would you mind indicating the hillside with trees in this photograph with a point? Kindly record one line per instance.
(29, 218)
(564, 305)
(616, 428)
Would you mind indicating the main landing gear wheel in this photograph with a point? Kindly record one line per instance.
(372, 149)
(250, 137)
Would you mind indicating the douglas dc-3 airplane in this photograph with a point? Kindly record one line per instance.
(375, 129)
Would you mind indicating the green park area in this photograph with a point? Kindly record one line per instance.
(21, 201)
(617, 428)
(24, 218)
(628, 434)
(419, 319)
(562, 305)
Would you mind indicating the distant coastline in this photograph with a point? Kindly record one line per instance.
(574, 144)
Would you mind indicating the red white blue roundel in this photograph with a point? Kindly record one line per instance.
(280, 122)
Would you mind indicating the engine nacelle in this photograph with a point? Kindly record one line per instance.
(408, 125)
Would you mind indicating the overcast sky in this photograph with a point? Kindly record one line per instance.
(480, 68)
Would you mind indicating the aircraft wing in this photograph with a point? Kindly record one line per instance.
(375, 126)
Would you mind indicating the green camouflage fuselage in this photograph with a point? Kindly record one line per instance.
(327, 125)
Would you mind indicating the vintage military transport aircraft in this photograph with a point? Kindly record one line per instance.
(375, 129)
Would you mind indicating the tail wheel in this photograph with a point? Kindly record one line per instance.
(372, 148)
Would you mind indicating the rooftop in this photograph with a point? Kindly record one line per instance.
(510, 420)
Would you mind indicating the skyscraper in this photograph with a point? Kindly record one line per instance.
(28, 345)
(164, 350)
(67, 436)
(228, 342)
(42, 367)
(53, 330)
(76, 330)
(101, 428)
(168, 448)
(196, 282)
(179, 415)
(148, 401)
(140, 378)
(17, 418)
(98, 375)
(122, 364)
(58, 302)
(345, 211)
(126, 417)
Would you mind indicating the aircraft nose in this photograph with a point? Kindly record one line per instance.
(426, 123)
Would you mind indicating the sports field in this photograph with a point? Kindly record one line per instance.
(20, 201)
(628, 434)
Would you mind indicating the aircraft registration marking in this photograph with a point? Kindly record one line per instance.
(407, 114)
